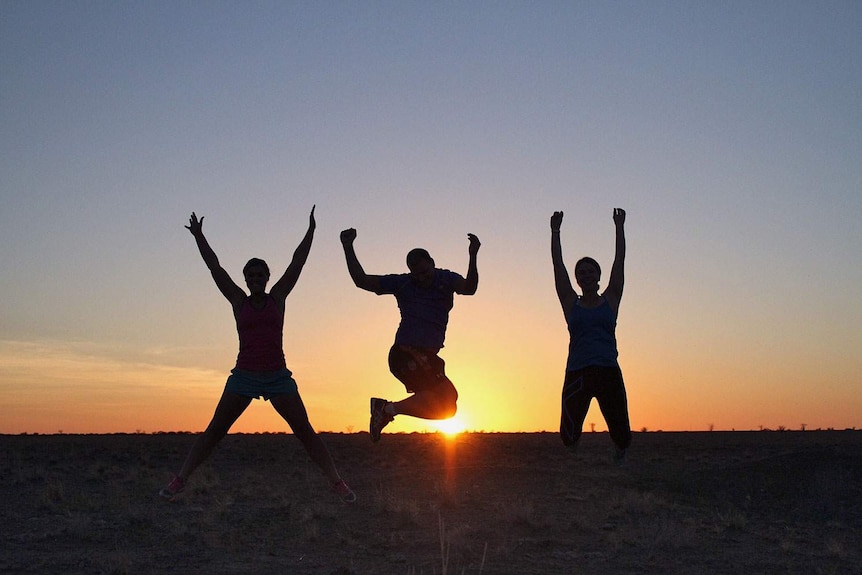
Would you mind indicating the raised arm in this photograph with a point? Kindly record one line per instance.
(471, 282)
(614, 291)
(357, 274)
(563, 284)
(287, 281)
(234, 294)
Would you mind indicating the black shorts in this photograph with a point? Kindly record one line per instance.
(418, 369)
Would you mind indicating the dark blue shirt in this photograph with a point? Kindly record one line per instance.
(592, 336)
(424, 311)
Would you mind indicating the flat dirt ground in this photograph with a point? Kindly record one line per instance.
(515, 504)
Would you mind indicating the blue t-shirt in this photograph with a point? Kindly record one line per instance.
(592, 339)
(424, 311)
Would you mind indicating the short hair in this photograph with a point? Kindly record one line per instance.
(417, 255)
(591, 261)
(255, 262)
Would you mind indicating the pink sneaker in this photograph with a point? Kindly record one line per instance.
(347, 495)
(174, 488)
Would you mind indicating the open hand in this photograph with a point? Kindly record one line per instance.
(195, 225)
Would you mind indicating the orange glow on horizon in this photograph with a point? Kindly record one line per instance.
(450, 427)
(61, 387)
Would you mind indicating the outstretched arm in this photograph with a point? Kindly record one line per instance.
(562, 282)
(287, 281)
(614, 292)
(357, 274)
(471, 282)
(225, 284)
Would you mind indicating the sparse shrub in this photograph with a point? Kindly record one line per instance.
(406, 509)
(520, 511)
(118, 564)
(446, 538)
(54, 493)
(311, 531)
(732, 519)
(836, 547)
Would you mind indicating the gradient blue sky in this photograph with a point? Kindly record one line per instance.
(731, 132)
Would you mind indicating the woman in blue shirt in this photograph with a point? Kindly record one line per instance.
(592, 370)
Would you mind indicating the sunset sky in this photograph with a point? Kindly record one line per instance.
(731, 132)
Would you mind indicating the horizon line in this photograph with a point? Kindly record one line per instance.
(435, 432)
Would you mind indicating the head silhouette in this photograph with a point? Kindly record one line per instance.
(255, 262)
(588, 272)
(588, 261)
(421, 266)
(256, 274)
(416, 255)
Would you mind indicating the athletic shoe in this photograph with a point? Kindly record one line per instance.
(620, 456)
(174, 488)
(379, 418)
(347, 495)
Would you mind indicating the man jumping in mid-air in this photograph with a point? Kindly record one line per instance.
(425, 297)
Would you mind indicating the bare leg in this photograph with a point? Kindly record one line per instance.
(291, 408)
(439, 402)
(228, 410)
(435, 396)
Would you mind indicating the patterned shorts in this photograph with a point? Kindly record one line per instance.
(418, 369)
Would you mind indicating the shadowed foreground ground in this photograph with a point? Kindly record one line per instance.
(513, 504)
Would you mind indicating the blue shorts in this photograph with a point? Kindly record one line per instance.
(264, 384)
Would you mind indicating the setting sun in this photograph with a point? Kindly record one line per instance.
(452, 426)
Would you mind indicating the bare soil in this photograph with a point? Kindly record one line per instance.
(495, 504)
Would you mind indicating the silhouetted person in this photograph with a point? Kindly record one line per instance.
(260, 367)
(425, 297)
(592, 369)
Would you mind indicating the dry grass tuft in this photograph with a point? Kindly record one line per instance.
(54, 495)
(732, 519)
(520, 511)
(837, 547)
(405, 509)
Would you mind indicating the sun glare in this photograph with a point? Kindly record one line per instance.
(450, 427)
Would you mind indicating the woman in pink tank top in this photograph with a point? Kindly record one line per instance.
(260, 368)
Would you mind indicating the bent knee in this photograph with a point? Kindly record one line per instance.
(448, 403)
(448, 409)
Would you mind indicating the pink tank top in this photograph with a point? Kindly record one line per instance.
(260, 337)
